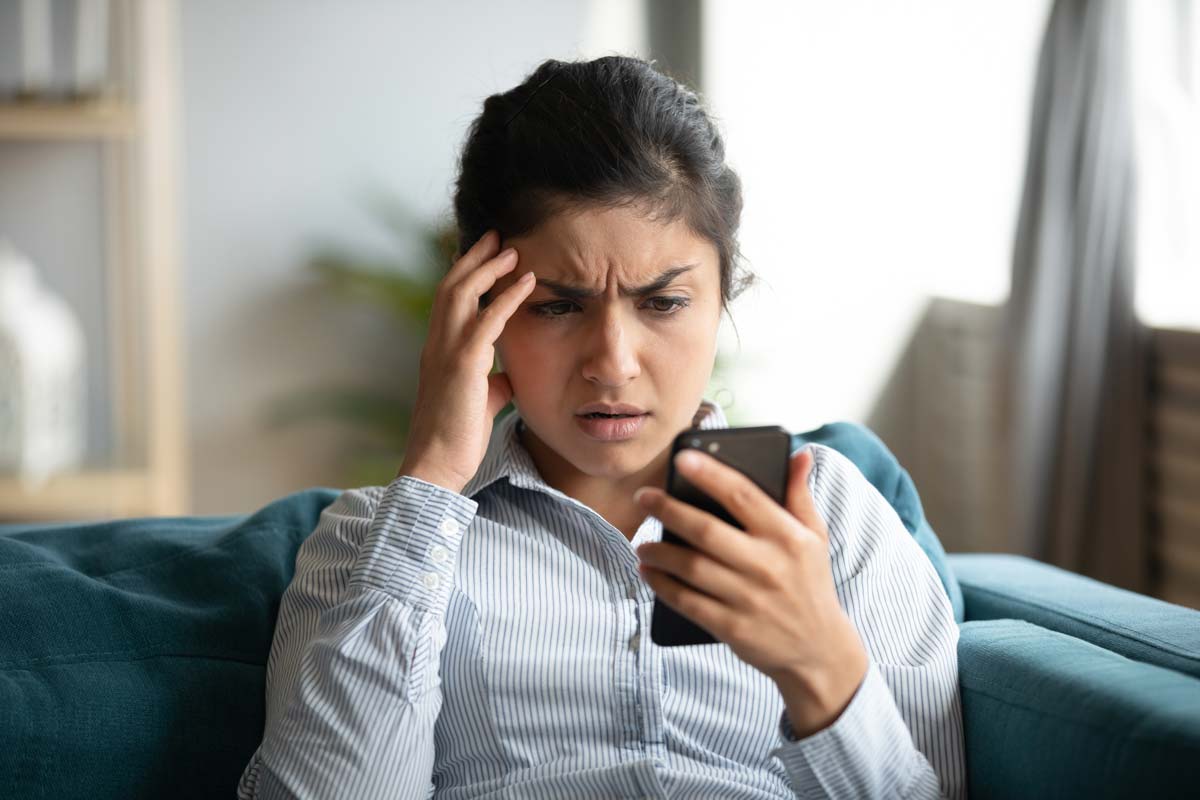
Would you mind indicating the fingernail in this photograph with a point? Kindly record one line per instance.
(639, 494)
(508, 252)
(527, 277)
(687, 459)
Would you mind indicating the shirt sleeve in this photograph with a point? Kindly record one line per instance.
(901, 735)
(353, 689)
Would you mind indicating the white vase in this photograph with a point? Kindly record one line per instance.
(42, 387)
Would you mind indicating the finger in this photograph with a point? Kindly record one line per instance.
(713, 537)
(705, 611)
(493, 318)
(800, 501)
(485, 278)
(754, 509)
(697, 570)
(481, 251)
(461, 299)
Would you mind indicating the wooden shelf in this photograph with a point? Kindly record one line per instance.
(135, 127)
(83, 119)
(88, 494)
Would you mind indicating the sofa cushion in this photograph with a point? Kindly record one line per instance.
(1049, 715)
(998, 586)
(133, 652)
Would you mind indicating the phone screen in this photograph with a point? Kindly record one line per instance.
(761, 453)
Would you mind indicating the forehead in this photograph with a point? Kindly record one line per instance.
(585, 246)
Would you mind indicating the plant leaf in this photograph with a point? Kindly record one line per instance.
(384, 415)
(410, 299)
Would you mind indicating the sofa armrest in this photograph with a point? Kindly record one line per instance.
(998, 586)
(1049, 715)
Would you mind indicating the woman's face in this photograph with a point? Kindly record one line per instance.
(638, 326)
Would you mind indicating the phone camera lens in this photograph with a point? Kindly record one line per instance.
(695, 442)
(714, 447)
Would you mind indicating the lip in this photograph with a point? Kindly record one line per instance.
(611, 408)
(612, 430)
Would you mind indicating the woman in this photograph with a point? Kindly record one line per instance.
(479, 627)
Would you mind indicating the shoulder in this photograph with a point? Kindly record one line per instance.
(835, 476)
(876, 462)
(863, 525)
(876, 563)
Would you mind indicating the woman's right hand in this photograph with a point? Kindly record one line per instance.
(457, 399)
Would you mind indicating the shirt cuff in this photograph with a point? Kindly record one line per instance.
(866, 752)
(411, 547)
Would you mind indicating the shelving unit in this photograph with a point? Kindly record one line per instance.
(137, 137)
(39, 121)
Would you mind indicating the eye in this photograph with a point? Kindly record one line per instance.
(675, 304)
(561, 308)
(547, 309)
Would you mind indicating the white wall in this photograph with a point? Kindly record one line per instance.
(881, 147)
(293, 113)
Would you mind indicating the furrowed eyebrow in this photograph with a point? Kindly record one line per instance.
(572, 292)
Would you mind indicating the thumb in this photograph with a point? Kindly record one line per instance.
(799, 498)
(500, 391)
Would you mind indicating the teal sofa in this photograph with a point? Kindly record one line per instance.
(133, 656)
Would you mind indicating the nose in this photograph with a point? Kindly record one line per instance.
(611, 349)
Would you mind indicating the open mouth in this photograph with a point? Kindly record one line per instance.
(598, 415)
(611, 427)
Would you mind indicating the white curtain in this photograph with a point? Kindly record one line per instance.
(1076, 351)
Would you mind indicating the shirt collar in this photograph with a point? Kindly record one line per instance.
(507, 458)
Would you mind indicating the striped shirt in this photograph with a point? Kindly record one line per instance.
(495, 643)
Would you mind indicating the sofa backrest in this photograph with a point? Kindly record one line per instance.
(133, 652)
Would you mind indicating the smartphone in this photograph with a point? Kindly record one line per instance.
(762, 453)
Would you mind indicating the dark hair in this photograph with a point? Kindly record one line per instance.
(609, 132)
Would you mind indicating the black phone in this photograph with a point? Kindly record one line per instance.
(762, 453)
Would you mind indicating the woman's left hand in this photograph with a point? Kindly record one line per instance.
(767, 591)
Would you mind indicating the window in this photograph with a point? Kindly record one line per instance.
(1165, 60)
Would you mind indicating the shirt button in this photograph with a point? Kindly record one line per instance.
(449, 527)
(439, 554)
(632, 591)
(431, 580)
(633, 642)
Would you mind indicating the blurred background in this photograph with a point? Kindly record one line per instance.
(976, 227)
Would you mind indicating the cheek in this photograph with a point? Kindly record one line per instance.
(684, 358)
(526, 351)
